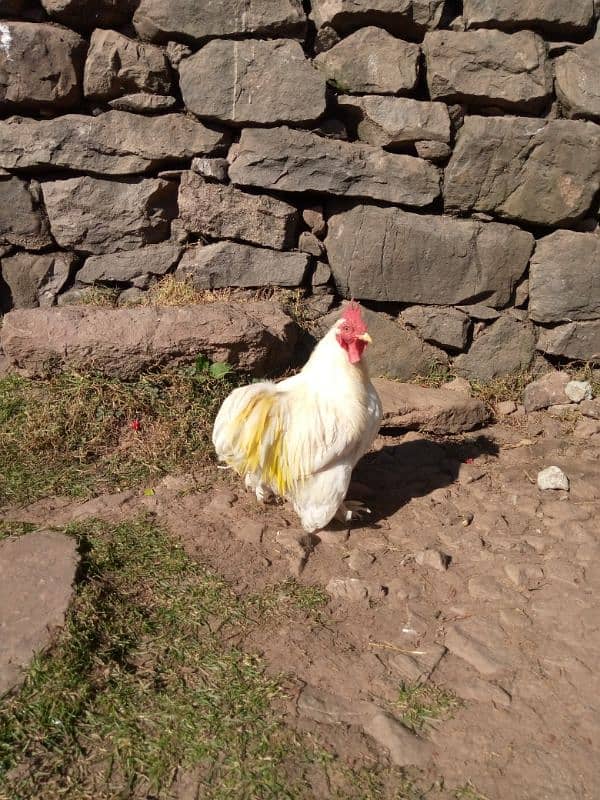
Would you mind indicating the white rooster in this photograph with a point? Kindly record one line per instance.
(301, 438)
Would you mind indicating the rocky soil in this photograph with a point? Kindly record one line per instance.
(467, 575)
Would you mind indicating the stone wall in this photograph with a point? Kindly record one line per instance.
(438, 160)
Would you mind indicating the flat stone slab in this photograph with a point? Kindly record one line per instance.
(299, 161)
(256, 337)
(440, 411)
(36, 585)
(114, 143)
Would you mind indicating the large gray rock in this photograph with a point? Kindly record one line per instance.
(392, 121)
(223, 212)
(216, 266)
(488, 68)
(116, 65)
(386, 254)
(403, 17)
(371, 61)
(439, 411)
(100, 216)
(36, 279)
(37, 572)
(395, 352)
(40, 66)
(90, 13)
(189, 20)
(578, 82)
(576, 340)
(543, 172)
(128, 265)
(505, 347)
(22, 220)
(251, 81)
(299, 161)
(253, 336)
(564, 278)
(446, 327)
(114, 143)
(554, 16)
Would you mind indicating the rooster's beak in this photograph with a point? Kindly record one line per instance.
(364, 337)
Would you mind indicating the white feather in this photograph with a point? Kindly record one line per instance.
(302, 437)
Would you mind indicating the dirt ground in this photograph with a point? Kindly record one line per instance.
(466, 575)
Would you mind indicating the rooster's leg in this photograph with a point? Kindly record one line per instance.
(352, 511)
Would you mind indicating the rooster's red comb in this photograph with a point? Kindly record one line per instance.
(353, 316)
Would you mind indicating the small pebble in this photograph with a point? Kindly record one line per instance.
(553, 478)
(434, 559)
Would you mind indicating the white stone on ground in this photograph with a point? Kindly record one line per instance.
(552, 478)
(578, 391)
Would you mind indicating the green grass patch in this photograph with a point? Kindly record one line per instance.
(80, 435)
(141, 685)
(420, 704)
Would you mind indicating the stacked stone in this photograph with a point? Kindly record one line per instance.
(444, 170)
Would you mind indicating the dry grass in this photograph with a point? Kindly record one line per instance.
(76, 434)
(507, 387)
(100, 296)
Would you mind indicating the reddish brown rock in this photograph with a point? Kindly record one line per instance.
(36, 585)
(440, 411)
(257, 337)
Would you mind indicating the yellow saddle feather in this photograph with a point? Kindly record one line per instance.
(260, 443)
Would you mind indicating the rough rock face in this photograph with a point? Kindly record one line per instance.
(40, 66)
(446, 327)
(439, 411)
(188, 20)
(224, 212)
(257, 337)
(215, 266)
(506, 346)
(225, 81)
(488, 68)
(549, 390)
(554, 16)
(90, 13)
(564, 279)
(143, 103)
(371, 61)
(36, 585)
(392, 121)
(129, 265)
(388, 254)
(298, 161)
(117, 65)
(542, 172)
(411, 17)
(577, 83)
(36, 279)
(114, 143)
(99, 216)
(577, 340)
(22, 221)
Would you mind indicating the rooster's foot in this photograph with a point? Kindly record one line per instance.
(264, 494)
(352, 511)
